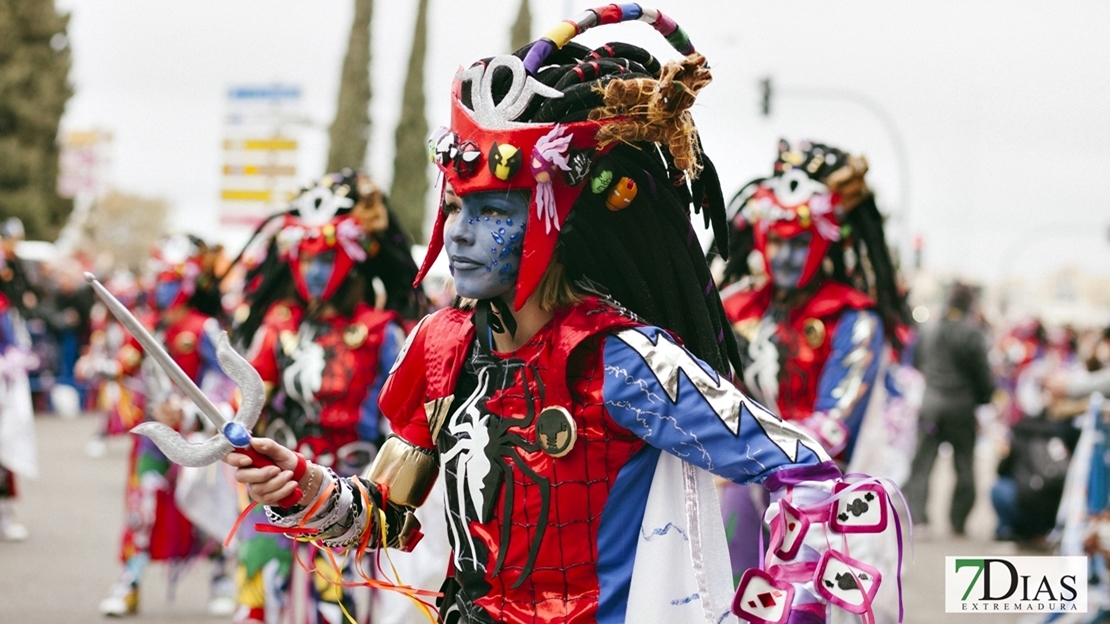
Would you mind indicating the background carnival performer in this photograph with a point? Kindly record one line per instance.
(324, 352)
(812, 335)
(575, 435)
(184, 304)
(99, 369)
(817, 323)
(17, 425)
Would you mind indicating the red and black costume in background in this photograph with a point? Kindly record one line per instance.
(813, 350)
(323, 353)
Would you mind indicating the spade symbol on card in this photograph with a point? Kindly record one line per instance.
(845, 582)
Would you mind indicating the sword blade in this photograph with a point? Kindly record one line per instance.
(158, 352)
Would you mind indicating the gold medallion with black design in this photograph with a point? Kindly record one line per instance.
(814, 332)
(355, 335)
(556, 431)
(288, 340)
(185, 342)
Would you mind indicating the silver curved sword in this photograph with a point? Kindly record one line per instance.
(233, 434)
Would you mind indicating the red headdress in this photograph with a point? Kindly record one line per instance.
(813, 188)
(177, 258)
(317, 228)
(488, 149)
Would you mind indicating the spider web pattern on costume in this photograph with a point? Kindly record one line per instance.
(538, 567)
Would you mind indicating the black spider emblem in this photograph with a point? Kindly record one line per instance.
(857, 507)
(501, 447)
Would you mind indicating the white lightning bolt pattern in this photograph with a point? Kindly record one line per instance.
(666, 359)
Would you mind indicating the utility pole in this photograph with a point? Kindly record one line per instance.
(765, 85)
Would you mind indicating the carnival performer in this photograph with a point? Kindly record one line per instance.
(17, 426)
(577, 400)
(99, 369)
(812, 335)
(184, 304)
(324, 352)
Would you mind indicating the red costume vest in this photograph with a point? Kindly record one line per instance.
(527, 551)
(803, 338)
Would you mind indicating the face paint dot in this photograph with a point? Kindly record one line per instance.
(499, 223)
(508, 221)
(497, 237)
(515, 237)
(500, 230)
(505, 269)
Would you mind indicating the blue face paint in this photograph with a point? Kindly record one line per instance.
(165, 293)
(317, 272)
(788, 259)
(483, 239)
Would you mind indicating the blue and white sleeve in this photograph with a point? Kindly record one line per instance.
(848, 378)
(662, 393)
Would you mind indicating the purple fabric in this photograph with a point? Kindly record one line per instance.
(825, 471)
(537, 55)
(798, 616)
(742, 522)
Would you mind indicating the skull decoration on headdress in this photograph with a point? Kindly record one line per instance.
(319, 228)
(814, 186)
(176, 263)
(488, 146)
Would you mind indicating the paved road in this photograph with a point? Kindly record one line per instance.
(74, 512)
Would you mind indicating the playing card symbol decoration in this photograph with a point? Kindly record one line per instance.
(862, 510)
(792, 525)
(846, 582)
(857, 507)
(761, 599)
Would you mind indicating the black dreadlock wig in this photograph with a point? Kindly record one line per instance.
(646, 256)
(861, 259)
(388, 259)
(206, 297)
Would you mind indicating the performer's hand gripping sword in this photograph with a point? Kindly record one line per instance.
(234, 434)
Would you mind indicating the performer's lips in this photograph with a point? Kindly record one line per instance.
(463, 263)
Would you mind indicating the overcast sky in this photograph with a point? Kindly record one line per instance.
(987, 123)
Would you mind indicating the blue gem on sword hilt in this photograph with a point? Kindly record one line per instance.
(234, 433)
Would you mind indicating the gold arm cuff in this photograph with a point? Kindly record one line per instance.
(409, 535)
(406, 470)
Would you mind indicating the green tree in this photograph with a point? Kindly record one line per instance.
(350, 130)
(34, 89)
(521, 33)
(410, 160)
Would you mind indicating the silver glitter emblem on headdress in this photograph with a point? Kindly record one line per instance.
(502, 114)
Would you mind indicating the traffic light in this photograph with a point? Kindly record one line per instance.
(765, 84)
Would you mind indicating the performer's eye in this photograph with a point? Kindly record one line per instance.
(451, 207)
(491, 211)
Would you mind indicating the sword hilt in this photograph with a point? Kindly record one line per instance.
(240, 438)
